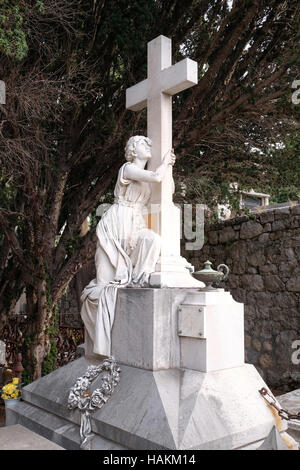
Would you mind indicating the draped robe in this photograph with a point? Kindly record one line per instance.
(126, 254)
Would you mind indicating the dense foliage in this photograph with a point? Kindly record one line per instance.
(67, 64)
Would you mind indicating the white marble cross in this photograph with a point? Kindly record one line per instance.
(155, 93)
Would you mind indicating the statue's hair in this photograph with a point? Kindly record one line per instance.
(130, 153)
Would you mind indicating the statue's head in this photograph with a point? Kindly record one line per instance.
(130, 149)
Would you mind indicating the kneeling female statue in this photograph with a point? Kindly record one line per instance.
(127, 251)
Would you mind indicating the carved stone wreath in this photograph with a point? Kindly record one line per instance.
(81, 398)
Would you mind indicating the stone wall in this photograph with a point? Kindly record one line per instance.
(263, 254)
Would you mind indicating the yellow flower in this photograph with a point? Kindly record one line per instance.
(11, 390)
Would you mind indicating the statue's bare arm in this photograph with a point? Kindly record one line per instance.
(134, 172)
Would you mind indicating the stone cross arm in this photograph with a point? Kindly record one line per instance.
(170, 80)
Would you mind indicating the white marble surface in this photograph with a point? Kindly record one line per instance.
(221, 344)
(127, 251)
(145, 328)
(165, 409)
(155, 93)
(54, 428)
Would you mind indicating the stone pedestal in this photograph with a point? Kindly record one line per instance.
(165, 409)
(211, 331)
(145, 329)
(175, 279)
(178, 328)
(166, 399)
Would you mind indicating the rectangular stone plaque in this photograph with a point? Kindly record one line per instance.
(191, 321)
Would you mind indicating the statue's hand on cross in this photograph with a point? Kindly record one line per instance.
(170, 157)
(135, 171)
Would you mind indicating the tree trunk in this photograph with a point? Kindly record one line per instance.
(39, 320)
(11, 287)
